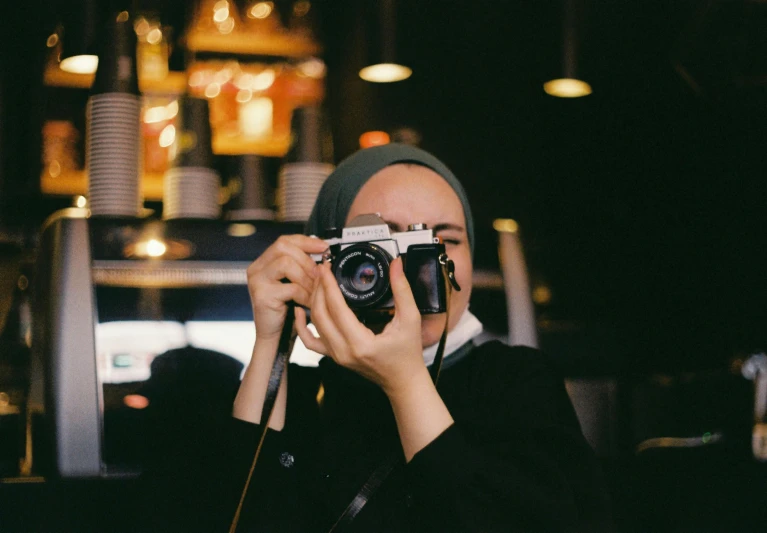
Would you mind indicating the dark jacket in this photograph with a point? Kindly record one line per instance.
(514, 460)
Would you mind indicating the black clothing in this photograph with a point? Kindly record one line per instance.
(514, 460)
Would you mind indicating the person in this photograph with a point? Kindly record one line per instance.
(494, 446)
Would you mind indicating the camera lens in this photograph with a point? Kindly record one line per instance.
(365, 277)
(362, 272)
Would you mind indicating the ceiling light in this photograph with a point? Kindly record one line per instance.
(567, 88)
(382, 66)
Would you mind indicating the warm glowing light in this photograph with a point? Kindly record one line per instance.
(263, 80)
(53, 40)
(244, 95)
(241, 230)
(505, 225)
(136, 401)
(541, 295)
(301, 8)
(154, 36)
(155, 248)
(154, 114)
(243, 81)
(212, 90)
(167, 136)
(221, 12)
(374, 138)
(142, 26)
(385, 73)
(80, 201)
(567, 88)
(82, 64)
(123, 16)
(199, 78)
(261, 10)
(223, 76)
(312, 68)
(171, 110)
(227, 26)
(160, 113)
(54, 169)
(256, 117)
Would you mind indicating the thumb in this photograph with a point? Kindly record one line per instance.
(404, 303)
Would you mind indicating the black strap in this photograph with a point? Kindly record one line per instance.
(380, 474)
(275, 378)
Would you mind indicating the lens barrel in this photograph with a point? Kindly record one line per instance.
(362, 272)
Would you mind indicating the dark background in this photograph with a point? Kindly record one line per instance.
(640, 206)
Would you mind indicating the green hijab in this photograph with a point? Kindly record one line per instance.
(341, 187)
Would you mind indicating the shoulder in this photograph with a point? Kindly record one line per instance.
(514, 381)
(515, 363)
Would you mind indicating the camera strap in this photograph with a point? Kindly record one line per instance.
(380, 474)
(279, 367)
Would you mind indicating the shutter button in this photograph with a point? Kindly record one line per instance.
(287, 460)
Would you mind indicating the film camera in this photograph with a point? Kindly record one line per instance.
(360, 260)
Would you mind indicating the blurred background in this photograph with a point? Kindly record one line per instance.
(640, 206)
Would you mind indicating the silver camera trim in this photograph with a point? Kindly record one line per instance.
(370, 228)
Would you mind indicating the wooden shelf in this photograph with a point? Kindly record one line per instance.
(74, 183)
(174, 83)
(227, 144)
(243, 44)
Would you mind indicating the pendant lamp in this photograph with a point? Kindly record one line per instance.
(80, 23)
(569, 86)
(382, 66)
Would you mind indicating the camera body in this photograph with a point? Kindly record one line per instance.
(360, 260)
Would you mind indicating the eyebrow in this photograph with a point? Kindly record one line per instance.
(437, 228)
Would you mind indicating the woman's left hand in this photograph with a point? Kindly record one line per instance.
(391, 358)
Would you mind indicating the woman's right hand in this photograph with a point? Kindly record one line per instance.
(282, 273)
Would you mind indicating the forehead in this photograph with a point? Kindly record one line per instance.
(409, 193)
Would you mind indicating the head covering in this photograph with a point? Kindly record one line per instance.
(341, 187)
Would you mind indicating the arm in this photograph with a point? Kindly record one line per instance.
(250, 397)
(284, 272)
(392, 359)
(515, 459)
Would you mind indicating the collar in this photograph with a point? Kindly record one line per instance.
(467, 328)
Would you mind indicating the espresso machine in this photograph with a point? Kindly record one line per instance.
(120, 304)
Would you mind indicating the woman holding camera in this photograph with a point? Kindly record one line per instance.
(494, 446)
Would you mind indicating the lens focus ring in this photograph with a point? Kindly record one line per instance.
(362, 272)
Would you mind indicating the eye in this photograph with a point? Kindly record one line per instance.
(450, 240)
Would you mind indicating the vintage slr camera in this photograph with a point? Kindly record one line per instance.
(360, 260)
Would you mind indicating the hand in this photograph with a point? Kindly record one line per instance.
(286, 259)
(389, 359)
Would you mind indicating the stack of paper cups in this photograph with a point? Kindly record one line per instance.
(306, 165)
(191, 187)
(112, 153)
(298, 187)
(254, 198)
(113, 124)
(191, 192)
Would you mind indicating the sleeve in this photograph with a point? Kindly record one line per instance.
(516, 459)
(199, 488)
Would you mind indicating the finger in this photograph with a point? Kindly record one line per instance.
(404, 303)
(306, 335)
(325, 325)
(345, 319)
(285, 267)
(296, 246)
(280, 293)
